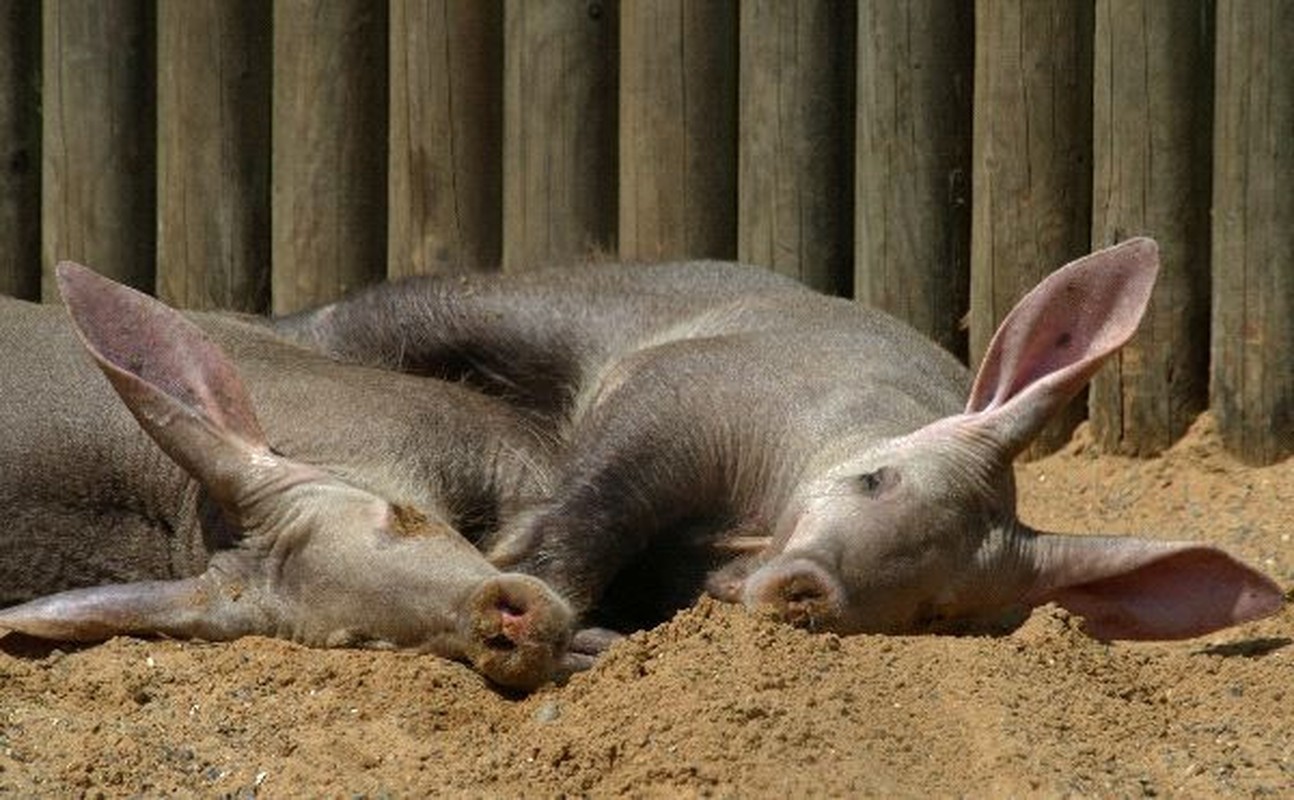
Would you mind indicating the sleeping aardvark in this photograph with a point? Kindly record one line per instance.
(727, 429)
(332, 524)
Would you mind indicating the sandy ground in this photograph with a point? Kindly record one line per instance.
(718, 702)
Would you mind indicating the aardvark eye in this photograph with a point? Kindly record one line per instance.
(875, 483)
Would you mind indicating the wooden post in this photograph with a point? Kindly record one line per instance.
(445, 192)
(559, 130)
(1151, 140)
(1031, 210)
(19, 149)
(678, 129)
(912, 213)
(329, 149)
(1252, 391)
(795, 140)
(213, 154)
(98, 137)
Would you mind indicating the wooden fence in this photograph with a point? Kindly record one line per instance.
(933, 157)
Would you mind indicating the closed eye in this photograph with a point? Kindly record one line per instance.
(877, 482)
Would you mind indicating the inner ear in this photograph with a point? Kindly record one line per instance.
(1056, 338)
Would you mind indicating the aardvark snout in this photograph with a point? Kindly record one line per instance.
(519, 630)
(799, 591)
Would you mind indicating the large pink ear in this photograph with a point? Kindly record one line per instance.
(1056, 337)
(184, 391)
(1129, 588)
(190, 608)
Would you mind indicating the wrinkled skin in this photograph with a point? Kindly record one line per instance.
(727, 429)
(342, 533)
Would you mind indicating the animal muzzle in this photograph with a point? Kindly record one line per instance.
(797, 590)
(518, 630)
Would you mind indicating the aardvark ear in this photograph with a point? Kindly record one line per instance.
(1130, 588)
(190, 608)
(189, 398)
(184, 391)
(1057, 336)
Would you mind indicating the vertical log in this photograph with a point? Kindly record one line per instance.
(559, 130)
(98, 137)
(19, 149)
(328, 174)
(445, 192)
(795, 134)
(678, 129)
(1252, 391)
(1150, 150)
(1031, 210)
(912, 219)
(213, 154)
